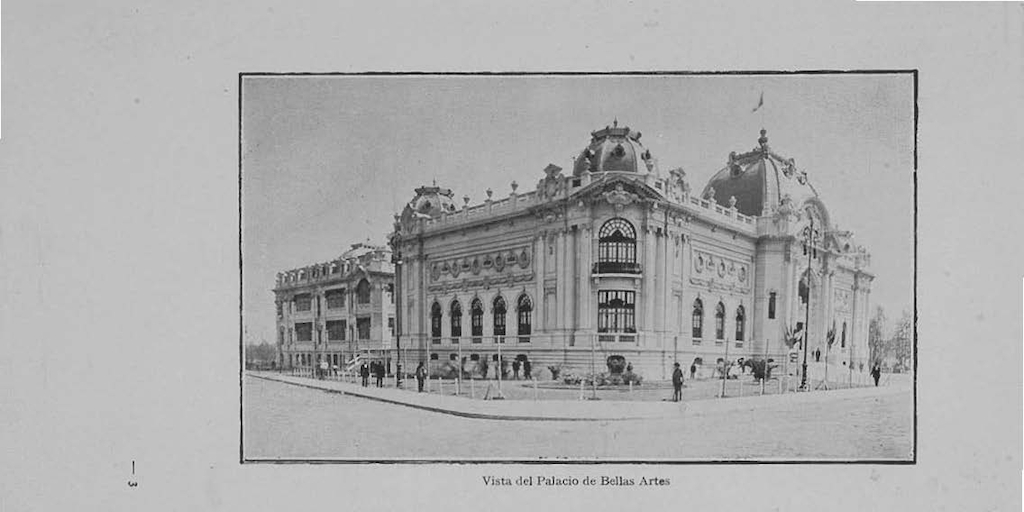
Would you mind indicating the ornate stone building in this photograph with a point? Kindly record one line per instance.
(337, 309)
(618, 258)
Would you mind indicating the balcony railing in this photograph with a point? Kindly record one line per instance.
(616, 267)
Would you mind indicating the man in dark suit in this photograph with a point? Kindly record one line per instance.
(364, 372)
(677, 383)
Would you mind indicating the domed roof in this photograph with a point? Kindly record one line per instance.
(614, 149)
(429, 202)
(758, 181)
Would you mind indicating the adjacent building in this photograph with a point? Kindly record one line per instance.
(337, 309)
(617, 258)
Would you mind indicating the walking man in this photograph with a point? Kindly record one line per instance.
(693, 370)
(876, 373)
(527, 367)
(421, 375)
(515, 369)
(677, 383)
(364, 372)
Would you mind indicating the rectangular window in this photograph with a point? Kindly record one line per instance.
(303, 302)
(304, 332)
(363, 326)
(280, 309)
(335, 299)
(336, 330)
(771, 306)
(616, 311)
(391, 326)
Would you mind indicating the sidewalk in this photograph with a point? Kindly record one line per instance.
(568, 410)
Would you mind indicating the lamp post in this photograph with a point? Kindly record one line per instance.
(810, 236)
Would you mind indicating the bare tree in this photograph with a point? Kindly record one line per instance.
(902, 340)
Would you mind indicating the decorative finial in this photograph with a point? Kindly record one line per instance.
(489, 194)
(732, 202)
(434, 181)
(514, 186)
(615, 122)
(465, 200)
(763, 140)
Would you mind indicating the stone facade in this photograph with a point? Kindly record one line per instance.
(620, 259)
(337, 309)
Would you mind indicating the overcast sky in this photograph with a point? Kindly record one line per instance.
(328, 160)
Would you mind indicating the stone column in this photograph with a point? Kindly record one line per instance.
(647, 289)
(587, 316)
(571, 290)
(539, 254)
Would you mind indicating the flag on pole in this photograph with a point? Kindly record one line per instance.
(760, 103)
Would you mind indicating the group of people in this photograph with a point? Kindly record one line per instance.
(525, 365)
(377, 369)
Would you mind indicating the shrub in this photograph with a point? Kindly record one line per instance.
(556, 370)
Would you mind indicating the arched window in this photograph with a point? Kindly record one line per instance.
(740, 318)
(524, 309)
(698, 319)
(456, 319)
(771, 306)
(720, 321)
(499, 316)
(616, 247)
(435, 322)
(363, 292)
(476, 311)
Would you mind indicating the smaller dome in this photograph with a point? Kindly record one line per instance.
(613, 149)
(430, 201)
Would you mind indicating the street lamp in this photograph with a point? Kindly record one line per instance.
(810, 237)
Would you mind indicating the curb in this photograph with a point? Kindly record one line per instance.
(454, 412)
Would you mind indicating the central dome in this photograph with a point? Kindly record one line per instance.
(757, 181)
(614, 149)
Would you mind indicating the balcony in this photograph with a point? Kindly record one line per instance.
(616, 267)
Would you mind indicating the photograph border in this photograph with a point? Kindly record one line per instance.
(914, 72)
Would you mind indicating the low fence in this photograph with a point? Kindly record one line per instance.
(473, 387)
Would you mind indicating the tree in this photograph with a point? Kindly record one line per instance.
(902, 344)
(264, 352)
(877, 343)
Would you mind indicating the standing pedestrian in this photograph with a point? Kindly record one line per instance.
(323, 369)
(515, 369)
(364, 372)
(421, 375)
(527, 370)
(876, 373)
(693, 370)
(677, 383)
(380, 375)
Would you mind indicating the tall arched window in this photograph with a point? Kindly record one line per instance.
(698, 319)
(740, 318)
(616, 247)
(499, 315)
(524, 310)
(720, 321)
(456, 320)
(435, 322)
(363, 292)
(476, 311)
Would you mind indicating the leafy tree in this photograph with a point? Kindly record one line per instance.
(878, 346)
(263, 352)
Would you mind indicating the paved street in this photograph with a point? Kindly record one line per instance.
(286, 421)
